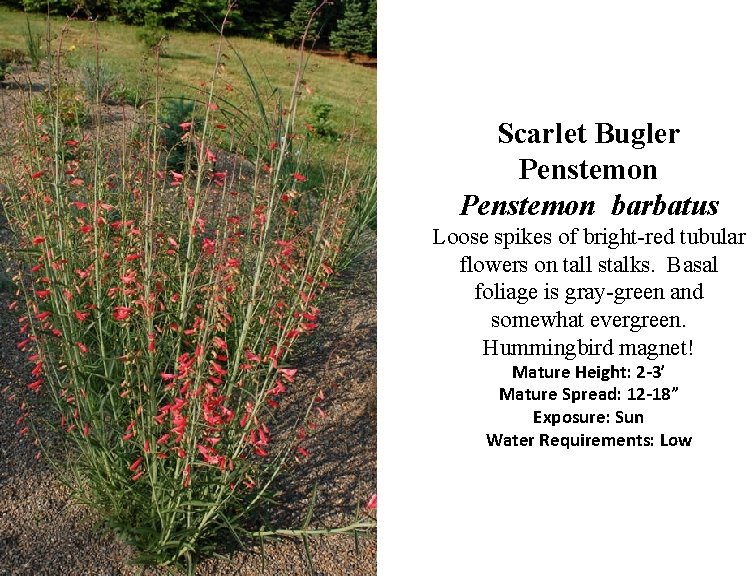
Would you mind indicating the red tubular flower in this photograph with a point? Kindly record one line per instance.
(288, 373)
(299, 177)
(217, 368)
(279, 388)
(129, 277)
(264, 435)
(372, 502)
(121, 313)
(209, 454)
(208, 246)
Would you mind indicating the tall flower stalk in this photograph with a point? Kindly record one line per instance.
(161, 306)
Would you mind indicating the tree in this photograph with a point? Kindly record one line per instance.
(372, 15)
(352, 34)
(294, 29)
(260, 18)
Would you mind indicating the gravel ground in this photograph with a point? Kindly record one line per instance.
(43, 532)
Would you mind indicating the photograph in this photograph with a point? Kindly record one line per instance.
(188, 293)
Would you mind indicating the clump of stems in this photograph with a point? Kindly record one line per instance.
(161, 306)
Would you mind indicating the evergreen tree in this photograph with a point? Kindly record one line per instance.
(372, 15)
(352, 34)
(260, 18)
(294, 28)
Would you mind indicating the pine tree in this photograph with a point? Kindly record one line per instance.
(352, 34)
(372, 16)
(295, 27)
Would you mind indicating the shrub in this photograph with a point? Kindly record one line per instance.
(161, 308)
(319, 121)
(99, 82)
(176, 114)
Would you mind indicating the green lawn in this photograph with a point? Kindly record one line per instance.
(190, 58)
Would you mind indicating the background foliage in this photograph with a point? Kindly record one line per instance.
(276, 20)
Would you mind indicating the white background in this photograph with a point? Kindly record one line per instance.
(449, 75)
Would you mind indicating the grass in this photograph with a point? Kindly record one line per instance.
(189, 60)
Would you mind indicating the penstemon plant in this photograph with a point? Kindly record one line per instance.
(160, 309)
